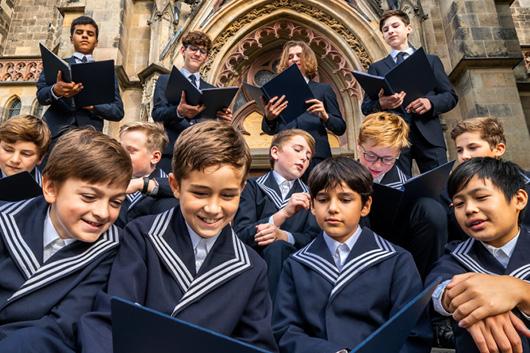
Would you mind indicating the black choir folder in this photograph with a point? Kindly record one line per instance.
(214, 99)
(19, 187)
(290, 83)
(413, 76)
(388, 203)
(137, 329)
(97, 78)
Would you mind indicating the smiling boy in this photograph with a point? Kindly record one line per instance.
(56, 250)
(24, 141)
(187, 262)
(488, 197)
(348, 281)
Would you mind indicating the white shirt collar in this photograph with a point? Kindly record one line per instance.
(186, 73)
(196, 238)
(80, 56)
(306, 79)
(280, 179)
(350, 242)
(50, 234)
(394, 53)
(504, 253)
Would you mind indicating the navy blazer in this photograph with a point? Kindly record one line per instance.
(41, 302)
(166, 112)
(262, 198)
(471, 256)
(155, 267)
(443, 99)
(63, 114)
(312, 123)
(320, 309)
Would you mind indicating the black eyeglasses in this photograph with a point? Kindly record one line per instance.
(194, 49)
(372, 157)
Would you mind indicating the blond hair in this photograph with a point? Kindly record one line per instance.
(156, 137)
(91, 156)
(284, 136)
(384, 129)
(210, 143)
(309, 59)
(27, 128)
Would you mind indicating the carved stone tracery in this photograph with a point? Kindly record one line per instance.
(20, 70)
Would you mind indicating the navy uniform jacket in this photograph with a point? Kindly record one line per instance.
(262, 198)
(443, 99)
(155, 267)
(166, 113)
(472, 256)
(138, 204)
(312, 123)
(46, 298)
(526, 212)
(63, 114)
(321, 310)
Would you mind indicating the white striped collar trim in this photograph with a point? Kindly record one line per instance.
(38, 176)
(402, 180)
(273, 194)
(57, 269)
(329, 270)
(134, 198)
(162, 174)
(194, 288)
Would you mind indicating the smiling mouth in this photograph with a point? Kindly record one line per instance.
(93, 224)
(475, 225)
(210, 220)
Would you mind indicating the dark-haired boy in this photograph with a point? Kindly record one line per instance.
(426, 136)
(24, 140)
(273, 215)
(187, 262)
(176, 118)
(63, 114)
(488, 197)
(347, 282)
(56, 250)
(148, 191)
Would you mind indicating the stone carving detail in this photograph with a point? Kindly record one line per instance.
(147, 98)
(526, 56)
(321, 45)
(300, 7)
(20, 70)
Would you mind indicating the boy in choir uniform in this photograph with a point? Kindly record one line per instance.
(274, 216)
(176, 118)
(323, 111)
(348, 281)
(24, 140)
(63, 114)
(188, 262)
(426, 137)
(486, 277)
(419, 229)
(56, 250)
(145, 142)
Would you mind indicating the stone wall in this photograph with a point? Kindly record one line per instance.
(6, 12)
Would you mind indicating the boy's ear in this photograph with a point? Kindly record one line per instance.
(366, 207)
(521, 199)
(499, 149)
(49, 190)
(156, 156)
(274, 153)
(174, 185)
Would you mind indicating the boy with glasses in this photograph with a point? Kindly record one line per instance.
(176, 118)
(420, 229)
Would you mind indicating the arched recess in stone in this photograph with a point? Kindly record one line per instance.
(342, 39)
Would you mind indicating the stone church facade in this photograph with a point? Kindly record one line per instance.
(484, 46)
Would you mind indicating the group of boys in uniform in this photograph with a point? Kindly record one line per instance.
(286, 261)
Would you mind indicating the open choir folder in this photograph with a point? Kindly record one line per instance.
(387, 202)
(19, 187)
(137, 329)
(413, 76)
(290, 83)
(214, 99)
(97, 78)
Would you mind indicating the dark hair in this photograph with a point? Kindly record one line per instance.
(390, 13)
(505, 175)
(84, 20)
(337, 170)
(197, 38)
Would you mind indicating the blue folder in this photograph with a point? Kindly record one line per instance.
(137, 329)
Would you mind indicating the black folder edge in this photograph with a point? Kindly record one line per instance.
(120, 301)
(304, 89)
(21, 186)
(418, 304)
(52, 64)
(101, 93)
(177, 83)
(223, 99)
